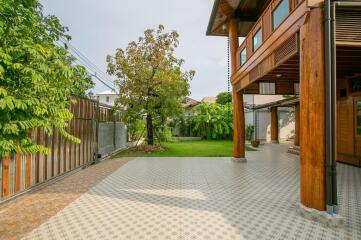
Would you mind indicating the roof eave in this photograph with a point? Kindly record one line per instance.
(213, 16)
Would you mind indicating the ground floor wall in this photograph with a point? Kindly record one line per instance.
(261, 120)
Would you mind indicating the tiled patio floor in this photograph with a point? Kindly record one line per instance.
(29, 211)
(203, 198)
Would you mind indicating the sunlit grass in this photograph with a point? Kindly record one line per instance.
(204, 148)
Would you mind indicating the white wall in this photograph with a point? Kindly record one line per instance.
(286, 125)
(103, 99)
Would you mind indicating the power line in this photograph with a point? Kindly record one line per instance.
(90, 69)
(103, 82)
(86, 59)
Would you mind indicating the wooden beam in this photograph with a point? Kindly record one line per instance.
(297, 125)
(239, 126)
(238, 105)
(312, 112)
(233, 43)
(274, 125)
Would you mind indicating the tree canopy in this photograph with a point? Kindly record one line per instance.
(37, 76)
(150, 79)
(223, 98)
(213, 121)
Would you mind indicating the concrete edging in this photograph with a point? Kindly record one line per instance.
(328, 220)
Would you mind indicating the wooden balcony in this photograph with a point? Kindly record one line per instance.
(277, 58)
(279, 47)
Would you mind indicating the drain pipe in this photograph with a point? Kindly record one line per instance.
(329, 108)
(334, 107)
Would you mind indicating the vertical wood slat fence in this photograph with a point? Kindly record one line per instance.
(22, 172)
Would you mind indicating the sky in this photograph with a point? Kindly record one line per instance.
(98, 28)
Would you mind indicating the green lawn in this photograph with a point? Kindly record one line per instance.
(188, 149)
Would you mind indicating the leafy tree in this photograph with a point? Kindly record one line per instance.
(36, 76)
(213, 121)
(150, 79)
(224, 98)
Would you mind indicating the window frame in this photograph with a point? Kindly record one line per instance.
(274, 10)
(244, 50)
(260, 30)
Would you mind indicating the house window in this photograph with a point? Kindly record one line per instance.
(267, 88)
(243, 56)
(280, 13)
(107, 99)
(257, 39)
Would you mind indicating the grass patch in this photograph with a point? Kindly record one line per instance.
(202, 148)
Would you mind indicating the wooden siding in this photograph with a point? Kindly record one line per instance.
(265, 22)
(348, 144)
(345, 131)
(264, 55)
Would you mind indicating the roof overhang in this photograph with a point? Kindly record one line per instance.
(246, 11)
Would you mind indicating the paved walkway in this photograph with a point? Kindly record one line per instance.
(202, 198)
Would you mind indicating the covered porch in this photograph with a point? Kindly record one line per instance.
(294, 61)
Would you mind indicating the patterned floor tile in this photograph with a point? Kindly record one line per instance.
(32, 209)
(203, 198)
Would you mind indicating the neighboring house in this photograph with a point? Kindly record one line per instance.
(107, 97)
(189, 104)
(209, 100)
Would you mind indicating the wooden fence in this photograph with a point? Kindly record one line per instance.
(21, 172)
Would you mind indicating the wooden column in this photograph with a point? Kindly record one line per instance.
(297, 125)
(238, 112)
(274, 125)
(312, 111)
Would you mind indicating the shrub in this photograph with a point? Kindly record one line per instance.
(249, 132)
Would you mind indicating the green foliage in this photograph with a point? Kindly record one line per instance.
(150, 79)
(36, 76)
(136, 129)
(185, 124)
(213, 121)
(249, 132)
(224, 98)
(165, 134)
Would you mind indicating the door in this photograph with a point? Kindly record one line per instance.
(357, 114)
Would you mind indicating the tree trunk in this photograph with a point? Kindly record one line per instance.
(150, 135)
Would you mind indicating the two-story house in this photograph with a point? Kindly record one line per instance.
(306, 47)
